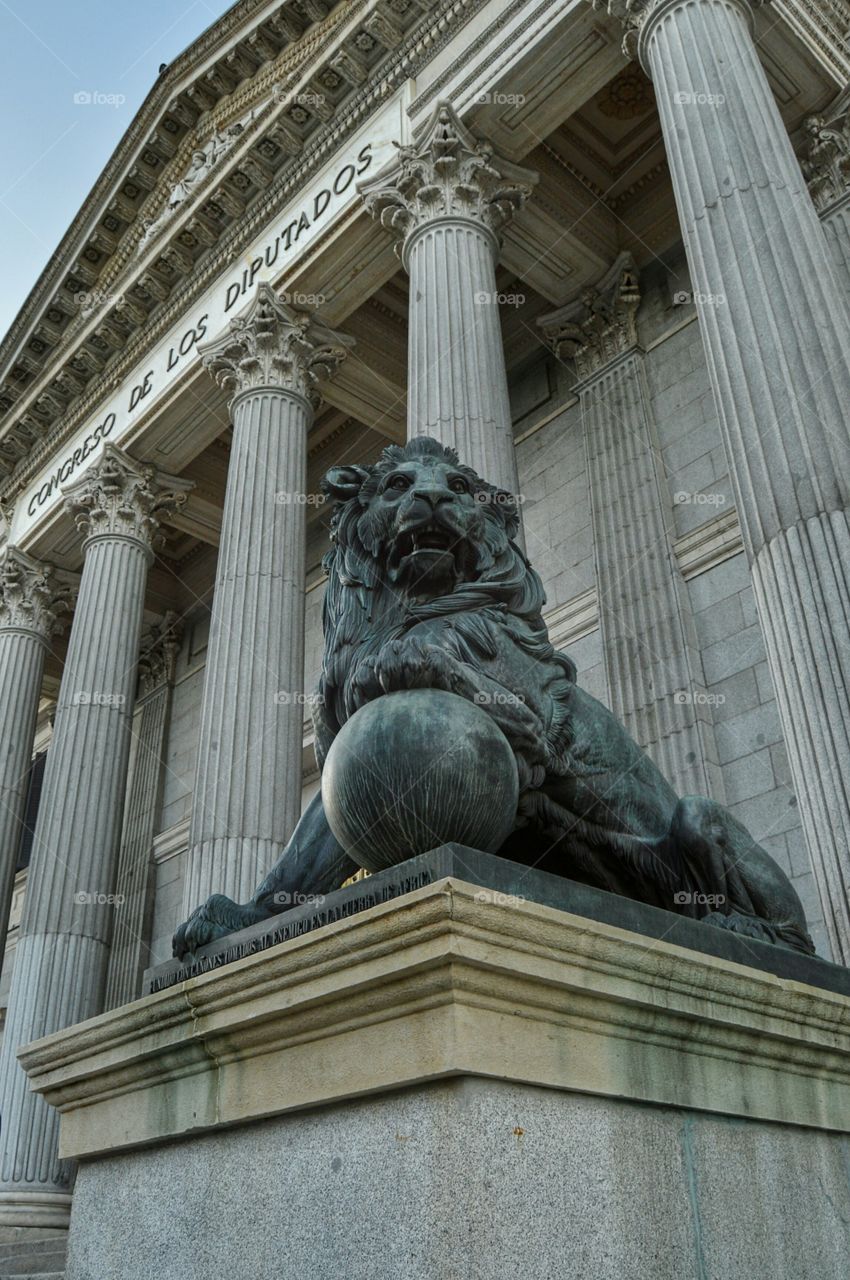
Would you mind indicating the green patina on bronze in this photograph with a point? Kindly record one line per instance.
(427, 591)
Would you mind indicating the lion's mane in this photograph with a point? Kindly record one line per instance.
(363, 610)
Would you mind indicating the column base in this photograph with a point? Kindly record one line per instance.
(38, 1210)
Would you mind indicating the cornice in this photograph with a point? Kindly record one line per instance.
(428, 35)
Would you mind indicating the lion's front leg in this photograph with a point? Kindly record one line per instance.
(408, 663)
(413, 663)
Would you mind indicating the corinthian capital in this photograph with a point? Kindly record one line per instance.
(274, 345)
(446, 173)
(32, 595)
(633, 15)
(600, 325)
(121, 498)
(160, 647)
(826, 158)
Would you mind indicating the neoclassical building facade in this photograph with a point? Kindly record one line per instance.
(604, 251)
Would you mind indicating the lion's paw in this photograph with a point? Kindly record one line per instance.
(218, 917)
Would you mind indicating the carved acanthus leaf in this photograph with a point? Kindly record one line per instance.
(446, 172)
(826, 159)
(159, 651)
(33, 595)
(119, 497)
(601, 325)
(274, 345)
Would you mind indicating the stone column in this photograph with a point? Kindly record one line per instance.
(248, 781)
(129, 955)
(826, 165)
(776, 331)
(62, 952)
(447, 197)
(648, 640)
(32, 595)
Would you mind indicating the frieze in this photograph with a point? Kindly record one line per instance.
(330, 193)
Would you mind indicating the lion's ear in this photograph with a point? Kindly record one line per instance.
(344, 483)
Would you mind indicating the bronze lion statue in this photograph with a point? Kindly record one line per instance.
(427, 589)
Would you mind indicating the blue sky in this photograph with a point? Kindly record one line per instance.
(52, 148)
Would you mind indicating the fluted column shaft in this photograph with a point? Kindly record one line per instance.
(775, 328)
(248, 788)
(21, 673)
(836, 225)
(129, 953)
(651, 659)
(447, 197)
(30, 599)
(457, 386)
(62, 952)
(248, 779)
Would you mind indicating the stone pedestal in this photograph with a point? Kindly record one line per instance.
(447, 197)
(248, 783)
(462, 1083)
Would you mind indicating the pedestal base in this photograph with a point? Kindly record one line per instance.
(461, 1083)
(471, 1179)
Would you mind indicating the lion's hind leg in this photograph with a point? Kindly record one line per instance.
(741, 887)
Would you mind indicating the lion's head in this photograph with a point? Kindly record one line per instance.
(418, 535)
(419, 521)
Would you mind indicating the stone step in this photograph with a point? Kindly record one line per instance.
(37, 1257)
(32, 1262)
(33, 1275)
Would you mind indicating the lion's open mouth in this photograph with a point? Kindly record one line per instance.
(427, 537)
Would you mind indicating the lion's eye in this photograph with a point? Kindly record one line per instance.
(399, 482)
(457, 485)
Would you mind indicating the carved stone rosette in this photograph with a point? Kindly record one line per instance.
(32, 595)
(446, 173)
(601, 325)
(121, 498)
(274, 345)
